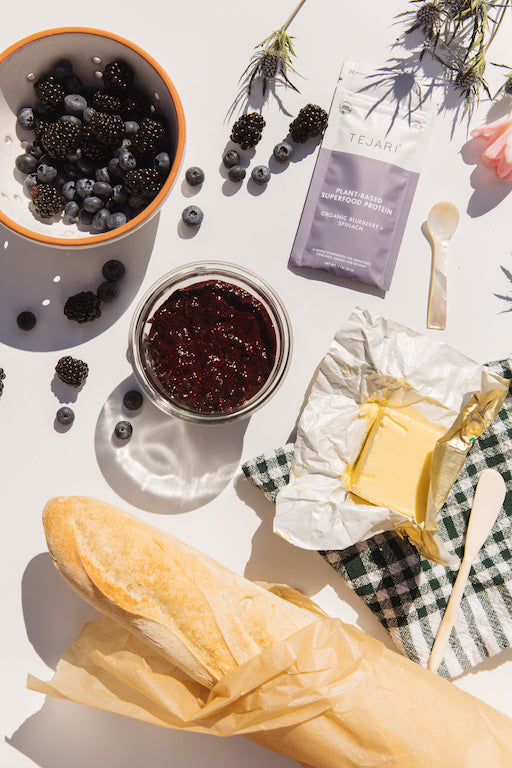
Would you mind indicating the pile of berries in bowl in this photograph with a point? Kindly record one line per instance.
(94, 134)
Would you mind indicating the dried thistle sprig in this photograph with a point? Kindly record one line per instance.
(272, 60)
(458, 34)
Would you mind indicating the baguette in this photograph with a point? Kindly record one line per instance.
(201, 616)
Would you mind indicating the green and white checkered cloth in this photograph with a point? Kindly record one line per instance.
(406, 592)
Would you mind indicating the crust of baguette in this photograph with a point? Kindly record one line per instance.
(204, 618)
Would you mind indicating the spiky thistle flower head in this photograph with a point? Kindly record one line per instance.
(271, 62)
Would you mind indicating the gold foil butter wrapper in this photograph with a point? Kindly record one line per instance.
(373, 360)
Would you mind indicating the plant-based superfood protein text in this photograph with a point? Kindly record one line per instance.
(364, 181)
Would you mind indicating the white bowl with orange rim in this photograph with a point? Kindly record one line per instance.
(88, 50)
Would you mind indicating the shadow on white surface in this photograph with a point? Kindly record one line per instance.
(275, 560)
(40, 279)
(64, 734)
(488, 190)
(168, 465)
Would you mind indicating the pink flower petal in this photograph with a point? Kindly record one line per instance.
(492, 129)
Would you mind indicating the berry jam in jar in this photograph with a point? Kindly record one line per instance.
(210, 342)
(212, 346)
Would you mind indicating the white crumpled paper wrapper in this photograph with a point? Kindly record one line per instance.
(375, 359)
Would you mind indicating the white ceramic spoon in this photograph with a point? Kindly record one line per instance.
(443, 221)
(487, 502)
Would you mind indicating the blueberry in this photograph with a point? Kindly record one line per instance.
(102, 174)
(133, 400)
(114, 168)
(26, 118)
(68, 190)
(127, 161)
(74, 157)
(71, 119)
(74, 103)
(131, 127)
(86, 165)
(92, 204)
(62, 67)
(137, 202)
(231, 158)
(26, 320)
(116, 219)
(87, 114)
(102, 189)
(107, 291)
(84, 187)
(84, 217)
(72, 83)
(26, 163)
(46, 173)
(192, 216)
(283, 151)
(194, 176)
(237, 173)
(65, 416)
(162, 162)
(119, 194)
(70, 170)
(34, 148)
(100, 219)
(123, 430)
(113, 270)
(30, 182)
(71, 210)
(260, 174)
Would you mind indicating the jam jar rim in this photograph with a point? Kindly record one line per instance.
(191, 273)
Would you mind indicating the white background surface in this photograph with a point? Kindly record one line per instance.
(200, 495)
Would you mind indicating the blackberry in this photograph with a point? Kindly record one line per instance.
(118, 75)
(246, 131)
(311, 121)
(49, 91)
(144, 182)
(61, 137)
(82, 307)
(134, 105)
(92, 148)
(47, 200)
(150, 137)
(26, 320)
(133, 400)
(2, 377)
(103, 101)
(108, 129)
(71, 371)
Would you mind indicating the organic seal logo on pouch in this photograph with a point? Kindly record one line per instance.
(345, 107)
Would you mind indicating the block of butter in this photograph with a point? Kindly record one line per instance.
(393, 468)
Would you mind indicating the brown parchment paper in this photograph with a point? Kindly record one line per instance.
(330, 696)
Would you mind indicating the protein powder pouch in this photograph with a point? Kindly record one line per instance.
(364, 180)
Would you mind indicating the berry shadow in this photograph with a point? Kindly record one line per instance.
(61, 428)
(255, 189)
(188, 191)
(300, 151)
(64, 392)
(185, 231)
(41, 278)
(168, 466)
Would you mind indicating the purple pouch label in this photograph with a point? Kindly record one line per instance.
(356, 227)
(364, 181)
